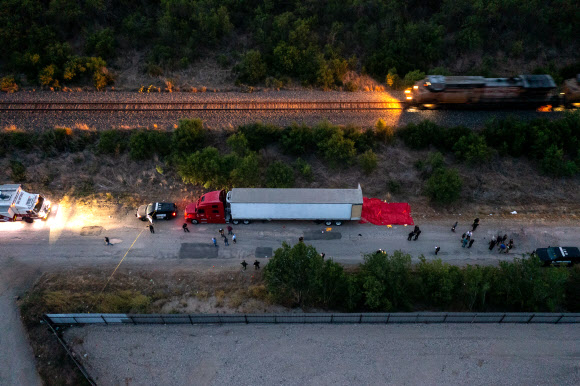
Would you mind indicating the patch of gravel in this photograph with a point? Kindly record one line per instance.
(330, 354)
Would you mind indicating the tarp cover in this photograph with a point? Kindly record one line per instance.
(379, 212)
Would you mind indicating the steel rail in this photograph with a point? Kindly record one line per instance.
(200, 106)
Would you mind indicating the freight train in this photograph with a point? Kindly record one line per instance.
(522, 91)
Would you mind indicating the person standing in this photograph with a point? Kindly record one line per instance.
(437, 249)
(185, 228)
(230, 230)
(470, 243)
(502, 248)
(214, 241)
(464, 242)
(454, 226)
(410, 236)
(468, 234)
(234, 238)
(151, 229)
(475, 224)
(256, 265)
(221, 232)
(416, 229)
(492, 243)
(511, 244)
(322, 255)
(244, 264)
(107, 242)
(504, 238)
(226, 241)
(417, 235)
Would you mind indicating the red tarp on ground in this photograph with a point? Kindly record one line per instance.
(379, 212)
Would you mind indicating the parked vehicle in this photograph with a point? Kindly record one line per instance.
(243, 205)
(16, 204)
(559, 256)
(157, 211)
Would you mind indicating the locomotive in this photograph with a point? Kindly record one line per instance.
(522, 91)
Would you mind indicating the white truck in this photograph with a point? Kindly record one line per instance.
(243, 205)
(16, 204)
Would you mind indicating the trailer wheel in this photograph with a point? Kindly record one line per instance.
(246, 222)
(194, 221)
(328, 223)
(235, 222)
(338, 223)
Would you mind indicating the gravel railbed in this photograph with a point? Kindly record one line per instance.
(330, 354)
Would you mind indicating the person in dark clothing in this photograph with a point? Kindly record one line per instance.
(256, 265)
(244, 264)
(221, 232)
(300, 239)
(417, 235)
(185, 228)
(511, 243)
(454, 226)
(463, 236)
(322, 255)
(504, 238)
(470, 243)
(226, 241)
(475, 224)
(491, 243)
(437, 249)
(230, 230)
(107, 242)
(416, 229)
(410, 236)
(151, 229)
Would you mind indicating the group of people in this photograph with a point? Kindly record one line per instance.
(226, 241)
(467, 239)
(502, 244)
(256, 264)
(415, 233)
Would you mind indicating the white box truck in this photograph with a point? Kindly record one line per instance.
(16, 204)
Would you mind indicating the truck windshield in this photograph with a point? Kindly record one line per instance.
(38, 205)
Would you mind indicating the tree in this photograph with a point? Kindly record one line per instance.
(368, 161)
(252, 68)
(279, 175)
(204, 167)
(472, 148)
(444, 186)
(238, 143)
(189, 136)
(246, 173)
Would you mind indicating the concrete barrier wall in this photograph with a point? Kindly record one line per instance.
(304, 318)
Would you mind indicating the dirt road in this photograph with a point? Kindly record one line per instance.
(330, 354)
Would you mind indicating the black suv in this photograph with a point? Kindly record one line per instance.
(157, 211)
(559, 256)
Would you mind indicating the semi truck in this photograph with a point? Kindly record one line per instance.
(16, 204)
(243, 205)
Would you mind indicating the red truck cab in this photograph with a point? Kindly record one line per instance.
(208, 209)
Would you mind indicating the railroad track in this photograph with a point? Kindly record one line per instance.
(199, 106)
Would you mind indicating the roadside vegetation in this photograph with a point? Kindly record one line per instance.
(264, 155)
(60, 42)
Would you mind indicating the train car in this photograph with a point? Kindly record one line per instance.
(571, 92)
(524, 91)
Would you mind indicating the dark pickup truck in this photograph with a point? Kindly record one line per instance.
(559, 256)
(157, 211)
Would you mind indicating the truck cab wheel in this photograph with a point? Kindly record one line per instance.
(328, 223)
(194, 221)
(338, 223)
(246, 222)
(235, 222)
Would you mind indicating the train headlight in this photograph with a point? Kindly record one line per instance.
(416, 87)
(408, 91)
(409, 98)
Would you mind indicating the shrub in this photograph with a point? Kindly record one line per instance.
(420, 136)
(337, 150)
(206, 168)
(189, 136)
(304, 169)
(19, 140)
(297, 140)
(363, 140)
(368, 161)
(435, 160)
(252, 68)
(112, 142)
(238, 143)
(101, 43)
(279, 175)
(553, 163)
(144, 143)
(438, 282)
(17, 171)
(7, 84)
(384, 133)
(472, 149)
(394, 186)
(392, 80)
(412, 77)
(247, 172)
(260, 135)
(444, 186)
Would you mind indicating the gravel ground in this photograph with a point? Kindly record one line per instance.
(330, 354)
(107, 120)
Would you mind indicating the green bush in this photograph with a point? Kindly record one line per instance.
(438, 282)
(246, 173)
(112, 142)
(189, 136)
(384, 133)
(554, 164)
(143, 144)
(337, 150)
(304, 169)
(420, 136)
(297, 140)
(473, 149)
(412, 77)
(252, 68)
(238, 143)
(260, 135)
(101, 43)
(368, 161)
(19, 140)
(17, 171)
(394, 186)
(444, 186)
(279, 175)
(206, 168)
